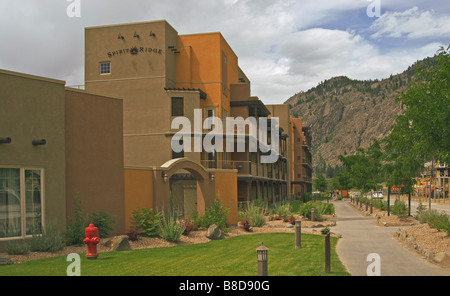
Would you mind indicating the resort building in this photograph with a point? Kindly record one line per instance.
(161, 76)
(111, 145)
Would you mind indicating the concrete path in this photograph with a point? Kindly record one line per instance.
(361, 237)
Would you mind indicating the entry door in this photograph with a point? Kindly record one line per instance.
(190, 201)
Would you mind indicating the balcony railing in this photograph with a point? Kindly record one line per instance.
(249, 168)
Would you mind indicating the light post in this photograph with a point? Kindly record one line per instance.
(262, 254)
(327, 253)
(298, 234)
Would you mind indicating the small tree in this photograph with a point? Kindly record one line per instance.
(320, 183)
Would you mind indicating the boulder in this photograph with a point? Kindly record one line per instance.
(214, 232)
(442, 258)
(116, 243)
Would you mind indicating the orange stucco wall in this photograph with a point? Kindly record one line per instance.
(226, 191)
(138, 191)
(200, 65)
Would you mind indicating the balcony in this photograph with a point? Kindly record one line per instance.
(306, 162)
(275, 171)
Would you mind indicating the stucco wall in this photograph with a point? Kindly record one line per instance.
(32, 108)
(94, 155)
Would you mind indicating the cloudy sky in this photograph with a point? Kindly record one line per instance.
(284, 46)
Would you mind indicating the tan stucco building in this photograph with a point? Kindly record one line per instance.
(110, 145)
(57, 145)
(163, 75)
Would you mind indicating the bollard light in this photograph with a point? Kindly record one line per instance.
(312, 214)
(262, 254)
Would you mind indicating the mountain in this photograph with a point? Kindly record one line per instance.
(345, 114)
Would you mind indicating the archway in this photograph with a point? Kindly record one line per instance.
(190, 183)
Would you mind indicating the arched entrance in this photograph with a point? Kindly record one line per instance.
(189, 182)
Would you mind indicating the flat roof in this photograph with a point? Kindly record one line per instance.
(29, 76)
(130, 24)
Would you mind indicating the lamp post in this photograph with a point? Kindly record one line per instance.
(327, 253)
(262, 253)
(298, 234)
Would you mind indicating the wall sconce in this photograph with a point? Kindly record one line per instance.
(6, 140)
(39, 142)
(165, 176)
(262, 254)
(212, 177)
(152, 34)
(136, 35)
(120, 37)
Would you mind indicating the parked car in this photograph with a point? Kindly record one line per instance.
(378, 194)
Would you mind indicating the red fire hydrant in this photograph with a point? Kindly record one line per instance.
(91, 240)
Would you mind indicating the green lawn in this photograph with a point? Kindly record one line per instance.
(230, 257)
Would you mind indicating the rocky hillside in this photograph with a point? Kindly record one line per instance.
(345, 114)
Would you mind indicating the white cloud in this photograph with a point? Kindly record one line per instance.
(412, 24)
(282, 45)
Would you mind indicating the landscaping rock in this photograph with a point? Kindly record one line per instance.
(442, 258)
(116, 243)
(289, 225)
(5, 261)
(214, 232)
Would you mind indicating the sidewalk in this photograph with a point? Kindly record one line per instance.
(361, 237)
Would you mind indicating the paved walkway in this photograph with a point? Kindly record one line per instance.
(361, 237)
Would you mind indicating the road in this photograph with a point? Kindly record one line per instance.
(361, 237)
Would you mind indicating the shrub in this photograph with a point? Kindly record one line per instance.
(215, 214)
(282, 212)
(170, 229)
(256, 215)
(103, 222)
(379, 204)
(420, 211)
(319, 210)
(295, 205)
(245, 224)
(434, 219)
(17, 248)
(133, 233)
(325, 230)
(75, 229)
(400, 208)
(50, 241)
(146, 220)
(188, 226)
(439, 221)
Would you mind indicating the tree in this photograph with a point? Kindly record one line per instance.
(320, 183)
(363, 170)
(421, 132)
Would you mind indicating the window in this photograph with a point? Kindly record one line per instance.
(177, 107)
(20, 202)
(180, 154)
(105, 68)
